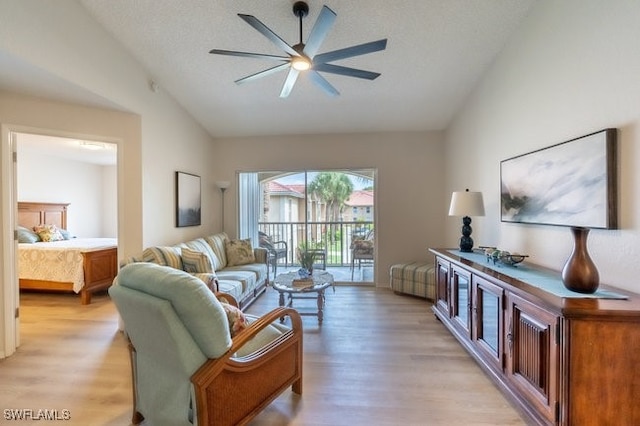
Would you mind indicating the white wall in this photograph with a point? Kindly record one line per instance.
(573, 68)
(87, 187)
(155, 136)
(109, 202)
(409, 183)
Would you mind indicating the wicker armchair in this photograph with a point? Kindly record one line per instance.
(187, 366)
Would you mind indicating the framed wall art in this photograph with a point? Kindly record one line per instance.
(569, 184)
(188, 201)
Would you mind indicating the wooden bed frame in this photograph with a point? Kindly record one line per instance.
(100, 266)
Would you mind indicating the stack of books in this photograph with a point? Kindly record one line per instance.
(302, 282)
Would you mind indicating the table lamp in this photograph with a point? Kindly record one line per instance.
(466, 204)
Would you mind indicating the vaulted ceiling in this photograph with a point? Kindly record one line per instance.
(437, 52)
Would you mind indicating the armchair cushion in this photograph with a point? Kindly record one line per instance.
(265, 241)
(362, 246)
(195, 304)
(263, 338)
(276, 248)
(239, 252)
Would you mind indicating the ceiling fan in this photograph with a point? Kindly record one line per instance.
(304, 57)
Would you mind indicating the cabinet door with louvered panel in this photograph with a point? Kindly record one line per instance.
(531, 338)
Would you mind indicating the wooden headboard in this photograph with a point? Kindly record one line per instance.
(32, 214)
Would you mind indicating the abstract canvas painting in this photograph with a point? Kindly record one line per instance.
(569, 184)
(187, 199)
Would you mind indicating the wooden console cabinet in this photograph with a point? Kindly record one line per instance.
(561, 360)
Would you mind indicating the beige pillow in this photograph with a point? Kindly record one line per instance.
(239, 252)
(48, 233)
(235, 317)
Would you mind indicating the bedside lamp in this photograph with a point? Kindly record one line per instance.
(466, 204)
(222, 186)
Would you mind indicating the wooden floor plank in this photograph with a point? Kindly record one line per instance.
(377, 359)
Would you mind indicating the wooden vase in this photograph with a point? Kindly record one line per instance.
(580, 273)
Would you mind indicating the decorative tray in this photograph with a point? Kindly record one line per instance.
(496, 255)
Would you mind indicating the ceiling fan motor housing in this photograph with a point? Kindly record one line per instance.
(300, 9)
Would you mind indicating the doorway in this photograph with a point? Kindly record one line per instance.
(80, 172)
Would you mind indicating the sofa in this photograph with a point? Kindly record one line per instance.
(225, 265)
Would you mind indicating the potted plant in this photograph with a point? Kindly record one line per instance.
(306, 257)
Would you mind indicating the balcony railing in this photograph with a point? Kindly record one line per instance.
(334, 237)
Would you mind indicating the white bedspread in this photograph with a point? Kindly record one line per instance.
(60, 261)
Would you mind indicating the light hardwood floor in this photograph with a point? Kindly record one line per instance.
(378, 359)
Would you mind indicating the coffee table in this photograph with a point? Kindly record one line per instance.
(321, 280)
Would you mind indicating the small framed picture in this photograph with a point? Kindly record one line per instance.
(188, 201)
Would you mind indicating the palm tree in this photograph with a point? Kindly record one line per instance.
(332, 188)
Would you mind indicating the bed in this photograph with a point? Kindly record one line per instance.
(80, 265)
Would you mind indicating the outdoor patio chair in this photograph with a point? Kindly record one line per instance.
(362, 249)
(276, 250)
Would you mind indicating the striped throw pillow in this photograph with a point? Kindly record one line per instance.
(195, 261)
(164, 256)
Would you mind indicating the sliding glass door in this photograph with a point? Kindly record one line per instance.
(324, 210)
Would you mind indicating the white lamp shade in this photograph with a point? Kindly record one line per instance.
(466, 203)
(223, 184)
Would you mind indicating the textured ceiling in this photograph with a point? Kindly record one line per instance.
(437, 51)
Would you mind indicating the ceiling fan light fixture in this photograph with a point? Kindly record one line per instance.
(303, 57)
(300, 63)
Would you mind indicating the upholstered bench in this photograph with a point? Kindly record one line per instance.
(416, 278)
